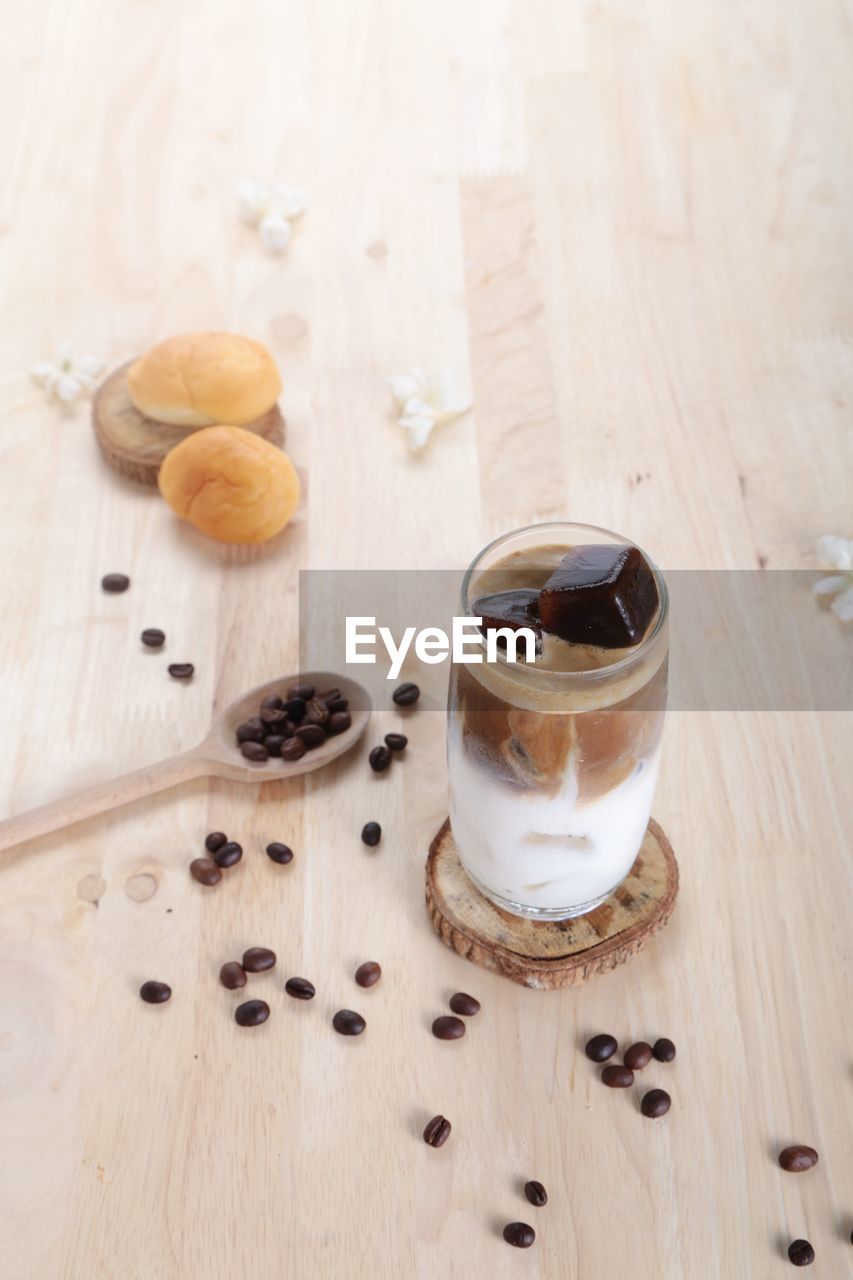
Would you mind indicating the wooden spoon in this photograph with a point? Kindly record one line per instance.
(216, 756)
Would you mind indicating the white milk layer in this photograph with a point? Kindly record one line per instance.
(547, 851)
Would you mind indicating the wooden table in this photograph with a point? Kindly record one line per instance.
(631, 225)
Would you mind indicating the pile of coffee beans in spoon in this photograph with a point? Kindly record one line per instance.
(287, 726)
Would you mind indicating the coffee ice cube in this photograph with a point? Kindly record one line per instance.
(600, 595)
(514, 609)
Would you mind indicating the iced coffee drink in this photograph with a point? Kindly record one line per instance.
(553, 762)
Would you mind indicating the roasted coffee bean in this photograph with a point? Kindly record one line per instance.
(406, 695)
(536, 1193)
(228, 854)
(664, 1050)
(274, 744)
(232, 975)
(379, 759)
(303, 691)
(371, 834)
(254, 751)
(115, 582)
(519, 1234)
(348, 1023)
(396, 741)
(339, 722)
(252, 1013)
(292, 749)
(338, 704)
(617, 1077)
(258, 959)
(272, 716)
(272, 703)
(205, 871)
(153, 638)
(155, 992)
(798, 1159)
(295, 708)
(801, 1253)
(448, 1028)
(299, 988)
(215, 841)
(316, 712)
(328, 695)
(656, 1103)
(311, 735)
(279, 853)
(600, 1048)
(638, 1056)
(181, 670)
(368, 974)
(464, 1004)
(251, 730)
(437, 1131)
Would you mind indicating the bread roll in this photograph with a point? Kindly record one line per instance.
(199, 379)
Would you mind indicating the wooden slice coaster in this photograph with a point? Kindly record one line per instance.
(549, 954)
(136, 445)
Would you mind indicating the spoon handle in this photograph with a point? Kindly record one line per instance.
(57, 814)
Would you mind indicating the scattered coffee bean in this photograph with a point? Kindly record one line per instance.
(228, 854)
(115, 582)
(254, 751)
(617, 1077)
(437, 1131)
(798, 1159)
(371, 834)
(155, 992)
(368, 974)
(448, 1028)
(258, 959)
(339, 722)
(396, 741)
(600, 1048)
(292, 749)
(303, 691)
(664, 1050)
(215, 841)
(251, 730)
(801, 1253)
(638, 1056)
(181, 670)
(464, 1004)
(279, 853)
(272, 703)
(379, 759)
(299, 988)
(536, 1193)
(656, 1103)
(252, 1013)
(205, 871)
(274, 744)
(232, 975)
(406, 695)
(519, 1234)
(316, 712)
(348, 1023)
(311, 735)
(153, 638)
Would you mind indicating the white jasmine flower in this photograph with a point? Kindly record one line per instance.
(836, 590)
(271, 207)
(69, 378)
(426, 401)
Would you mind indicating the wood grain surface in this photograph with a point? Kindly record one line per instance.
(630, 224)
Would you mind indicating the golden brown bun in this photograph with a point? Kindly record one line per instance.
(230, 484)
(197, 379)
